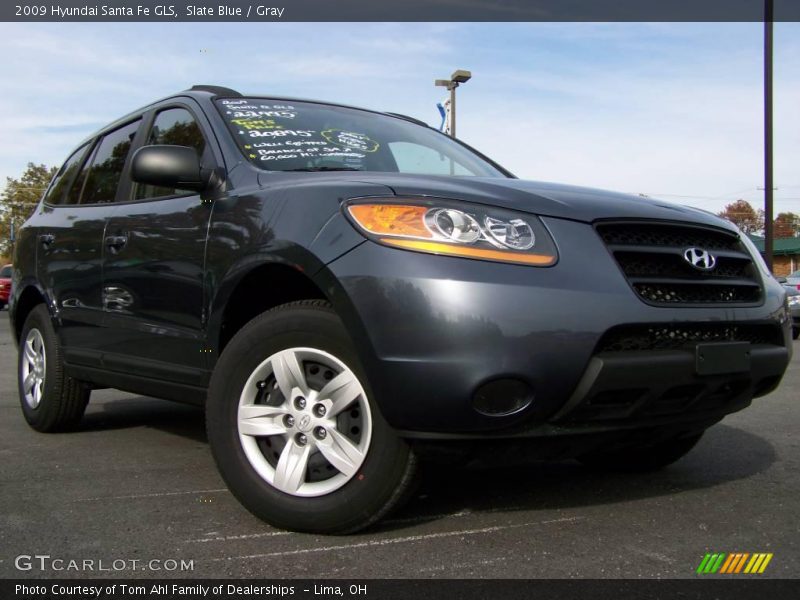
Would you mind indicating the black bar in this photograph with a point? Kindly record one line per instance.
(407, 10)
(709, 587)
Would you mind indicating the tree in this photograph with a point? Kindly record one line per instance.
(787, 224)
(744, 216)
(19, 199)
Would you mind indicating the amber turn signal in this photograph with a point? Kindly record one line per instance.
(391, 219)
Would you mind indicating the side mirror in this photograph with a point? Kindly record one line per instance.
(170, 167)
(781, 279)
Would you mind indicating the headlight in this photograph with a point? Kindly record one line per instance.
(455, 229)
(793, 301)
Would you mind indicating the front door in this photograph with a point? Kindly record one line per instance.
(154, 250)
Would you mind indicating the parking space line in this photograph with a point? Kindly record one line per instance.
(468, 565)
(155, 495)
(423, 518)
(244, 536)
(250, 536)
(399, 521)
(455, 515)
(398, 540)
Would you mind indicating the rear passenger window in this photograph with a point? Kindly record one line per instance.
(65, 175)
(172, 127)
(75, 191)
(106, 167)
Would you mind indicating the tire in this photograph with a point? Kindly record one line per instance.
(2, 305)
(285, 469)
(795, 333)
(642, 459)
(53, 401)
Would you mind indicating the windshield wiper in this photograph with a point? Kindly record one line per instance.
(314, 169)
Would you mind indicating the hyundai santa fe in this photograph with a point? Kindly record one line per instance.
(346, 291)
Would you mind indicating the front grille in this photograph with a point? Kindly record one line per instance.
(644, 233)
(651, 256)
(679, 293)
(672, 336)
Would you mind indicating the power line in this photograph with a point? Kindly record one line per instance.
(707, 198)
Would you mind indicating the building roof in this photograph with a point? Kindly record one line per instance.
(780, 246)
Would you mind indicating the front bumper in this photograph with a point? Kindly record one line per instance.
(431, 329)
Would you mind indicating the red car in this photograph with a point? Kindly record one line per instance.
(5, 285)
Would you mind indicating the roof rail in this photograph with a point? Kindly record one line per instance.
(217, 90)
(407, 118)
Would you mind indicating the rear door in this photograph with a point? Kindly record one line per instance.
(154, 262)
(70, 234)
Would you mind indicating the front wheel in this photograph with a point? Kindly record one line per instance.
(294, 429)
(642, 458)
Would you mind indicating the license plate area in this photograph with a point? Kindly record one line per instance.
(722, 357)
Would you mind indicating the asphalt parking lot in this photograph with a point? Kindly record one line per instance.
(138, 483)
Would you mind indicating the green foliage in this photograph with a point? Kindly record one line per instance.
(19, 199)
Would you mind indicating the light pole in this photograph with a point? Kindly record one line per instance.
(768, 189)
(457, 78)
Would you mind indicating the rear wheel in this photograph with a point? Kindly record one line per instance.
(642, 458)
(294, 430)
(51, 400)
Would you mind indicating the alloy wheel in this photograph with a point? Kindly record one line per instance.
(304, 422)
(34, 363)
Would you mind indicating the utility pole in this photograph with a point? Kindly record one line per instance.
(457, 78)
(452, 89)
(768, 188)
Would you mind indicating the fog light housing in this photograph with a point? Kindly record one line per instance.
(502, 397)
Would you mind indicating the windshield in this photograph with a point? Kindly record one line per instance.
(303, 136)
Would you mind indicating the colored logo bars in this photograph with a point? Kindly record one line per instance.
(736, 562)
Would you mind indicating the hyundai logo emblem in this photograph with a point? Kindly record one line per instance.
(304, 424)
(700, 259)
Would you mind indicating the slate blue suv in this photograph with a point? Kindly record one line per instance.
(347, 291)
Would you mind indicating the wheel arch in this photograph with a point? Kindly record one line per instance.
(242, 297)
(245, 296)
(28, 299)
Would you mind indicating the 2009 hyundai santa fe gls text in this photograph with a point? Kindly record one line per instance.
(348, 290)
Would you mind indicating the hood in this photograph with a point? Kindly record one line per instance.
(546, 199)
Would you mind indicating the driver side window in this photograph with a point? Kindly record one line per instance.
(172, 127)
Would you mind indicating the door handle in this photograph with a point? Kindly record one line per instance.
(115, 243)
(45, 239)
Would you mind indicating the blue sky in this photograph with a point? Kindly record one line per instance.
(670, 110)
